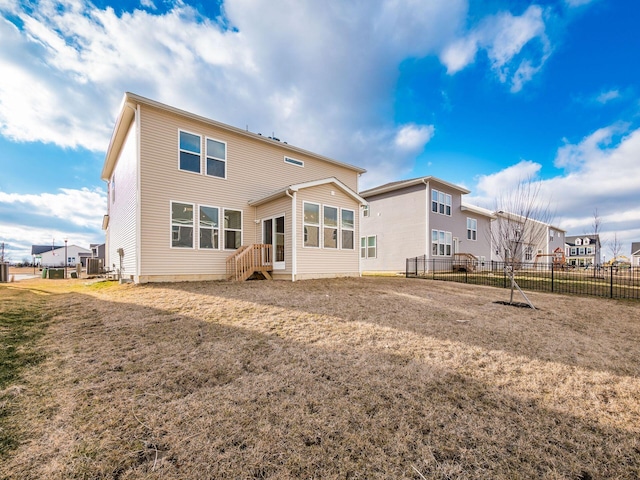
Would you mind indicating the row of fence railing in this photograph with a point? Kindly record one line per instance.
(612, 282)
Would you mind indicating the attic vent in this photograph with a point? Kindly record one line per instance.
(293, 161)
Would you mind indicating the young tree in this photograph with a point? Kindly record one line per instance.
(596, 227)
(520, 228)
(615, 246)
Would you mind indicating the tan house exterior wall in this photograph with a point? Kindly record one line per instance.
(255, 168)
(326, 262)
(123, 217)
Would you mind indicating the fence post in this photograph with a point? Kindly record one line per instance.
(552, 270)
(466, 272)
(611, 281)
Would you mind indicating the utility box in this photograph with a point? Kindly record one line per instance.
(56, 273)
(4, 272)
(94, 266)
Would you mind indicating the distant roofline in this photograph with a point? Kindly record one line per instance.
(392, 186)
(126, 115)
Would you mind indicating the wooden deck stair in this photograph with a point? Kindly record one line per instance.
(465, 262)
(250, 259)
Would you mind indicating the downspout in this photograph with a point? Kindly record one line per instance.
(294, 236)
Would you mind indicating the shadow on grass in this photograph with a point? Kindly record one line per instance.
(130, 390)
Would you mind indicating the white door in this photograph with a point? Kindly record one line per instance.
(273, 233)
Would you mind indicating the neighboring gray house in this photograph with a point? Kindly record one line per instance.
(583, 250)
(525, 240)
(416, 217)
(635, 254)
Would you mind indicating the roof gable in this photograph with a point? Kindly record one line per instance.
(401, 184)
(300, 186)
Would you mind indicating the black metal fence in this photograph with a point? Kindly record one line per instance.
(611, 282)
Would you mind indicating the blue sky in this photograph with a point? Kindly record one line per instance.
(478, 93)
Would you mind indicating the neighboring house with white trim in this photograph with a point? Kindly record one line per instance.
(189, 197)
(583, 250)
(635, 254)
(525, 240)
(420, 217)
(56, 257)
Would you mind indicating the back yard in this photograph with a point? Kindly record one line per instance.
(345, 378)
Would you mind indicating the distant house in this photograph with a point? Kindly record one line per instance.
(56, 257)
(38, 250)
(635, 254)
(525, 240)
(422, 216)
(583, 250)
(191, 198)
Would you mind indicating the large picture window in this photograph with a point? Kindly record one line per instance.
(347, 223)
(182, 225)
(232, 229)
(209, 227)
(441, 243)
(216, 158)
(311, 224)
(440, 202)
(189, 152)
(330, 221)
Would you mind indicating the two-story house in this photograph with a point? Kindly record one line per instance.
(190, 198)
(583, 250)
(420, 217)
(525, 240)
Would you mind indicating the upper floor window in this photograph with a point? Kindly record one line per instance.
(216, 158)
(190, 152)
(440, 202)
(578, 241)
(472, 229)
(365, 210)
(586, 241)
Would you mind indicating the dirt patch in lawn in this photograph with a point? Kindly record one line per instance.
(344, 378)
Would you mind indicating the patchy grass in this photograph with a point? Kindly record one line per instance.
(345, 378)
(21, 325)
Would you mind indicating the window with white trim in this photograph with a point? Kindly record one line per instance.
(440, 202)
(209, 227)
(293, 161)
(573, 251)
(365, 210)
(330, 227)
(441, 243)
(472, 229)
(216, 158)
(347, 225)
(232, 229)
(581, 251)
(311, 224)
(190, 151)
(578, 241)
(528, 253)
(182, 225)
(368, 247)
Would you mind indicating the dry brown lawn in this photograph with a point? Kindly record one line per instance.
(343, 378)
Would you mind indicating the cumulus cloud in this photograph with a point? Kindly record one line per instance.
(599, 172)
(503, 37)
(69, 213)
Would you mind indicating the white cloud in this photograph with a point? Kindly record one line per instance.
(413, 137)
(607, 96)
(600, 172)
(503, 36)
(578, 3)
(72, 214)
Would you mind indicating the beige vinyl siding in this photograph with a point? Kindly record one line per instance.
(325, 262)
(123, 227)
(254, 170)
(398, 220)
